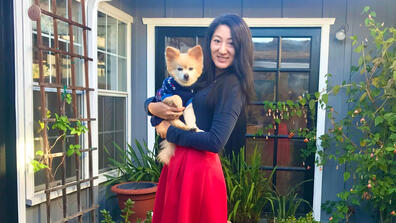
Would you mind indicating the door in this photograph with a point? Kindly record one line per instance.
(286, 65)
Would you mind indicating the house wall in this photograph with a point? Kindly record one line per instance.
(341, 55)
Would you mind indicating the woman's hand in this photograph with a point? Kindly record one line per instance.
(164, 111)
(162, 128)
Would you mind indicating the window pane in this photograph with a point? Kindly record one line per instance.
(265, 86)
(289, 152)
(101, 39)
(63, 32)
(76, 12)
(293, 84)
(264, 147)
(77, 39)
(112, 128)
(36, 73)
(181, 43)
(43, 4)
(258, 121)
(122, 36)
(286, 180)
(111, 71)
(294, 123)
(79, 70)
(265, 52)
(122, 74)
(61, 8)
(111, 35)
(47, 26)
(49, 67)
(295, 52)
(65, 69)
(101, 70)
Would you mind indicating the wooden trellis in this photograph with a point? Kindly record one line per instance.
(35, 13)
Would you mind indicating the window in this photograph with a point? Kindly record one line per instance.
(110, 106)
(112, 88)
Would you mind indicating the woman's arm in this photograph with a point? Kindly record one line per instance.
(227, 110)
(161, 109)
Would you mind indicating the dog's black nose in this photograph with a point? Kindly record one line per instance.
(186, 77)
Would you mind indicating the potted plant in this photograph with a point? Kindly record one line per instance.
(139, 172)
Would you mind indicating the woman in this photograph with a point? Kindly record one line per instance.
(192, 187)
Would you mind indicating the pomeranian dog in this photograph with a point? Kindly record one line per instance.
(184, 70)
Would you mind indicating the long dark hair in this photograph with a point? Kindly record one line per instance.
(243, 60)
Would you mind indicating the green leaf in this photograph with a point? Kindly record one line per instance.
(360, 62)
(363, 96)
(359, 48)
(311, 104)
(325, 98)
(48, 114)
(68, 99)
(347, 175)
(336, 89)
(39, 153)
(41, 125)
(366, 9)
(378, 120)
(389, 149)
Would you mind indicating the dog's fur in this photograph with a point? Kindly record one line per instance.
(185, 69)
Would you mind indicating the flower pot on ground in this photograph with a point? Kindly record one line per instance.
(143, 195)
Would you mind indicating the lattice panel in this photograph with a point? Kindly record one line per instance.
(35, 13)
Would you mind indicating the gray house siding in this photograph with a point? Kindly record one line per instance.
(341, 57)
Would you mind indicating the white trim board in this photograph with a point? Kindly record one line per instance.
(323, 23)
(114, 12)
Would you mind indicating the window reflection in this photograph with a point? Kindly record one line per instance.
(295, 52)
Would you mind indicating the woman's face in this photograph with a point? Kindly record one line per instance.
(222, 48)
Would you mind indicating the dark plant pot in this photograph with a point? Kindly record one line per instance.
(142, 193)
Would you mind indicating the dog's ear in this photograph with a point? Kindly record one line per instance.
(196, 53)
(171, 53)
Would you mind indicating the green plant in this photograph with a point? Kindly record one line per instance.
(125, 214)
(286, 205)
(247, 187)
(61, 123)
(304, 107)
(365, 138)
(137, 164)
(308, 218)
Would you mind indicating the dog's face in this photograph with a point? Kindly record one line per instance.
(185, 68)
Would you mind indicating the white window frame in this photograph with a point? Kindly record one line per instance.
(24, 99)
(123, 17)
(322, 23)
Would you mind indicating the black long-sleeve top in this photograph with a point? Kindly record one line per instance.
(218, 108)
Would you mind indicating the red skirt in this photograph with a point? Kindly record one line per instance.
(191, 189)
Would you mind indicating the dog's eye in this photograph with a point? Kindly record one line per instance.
(190, 68)
(179, 69)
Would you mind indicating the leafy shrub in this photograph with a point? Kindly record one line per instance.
(247, 187)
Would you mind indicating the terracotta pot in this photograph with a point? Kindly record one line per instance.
(142, 193)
